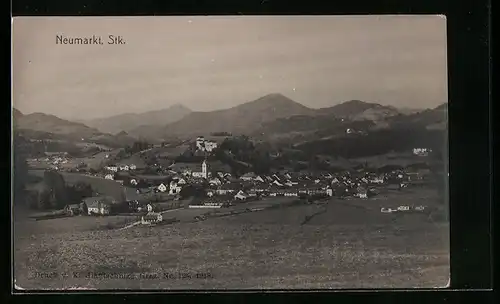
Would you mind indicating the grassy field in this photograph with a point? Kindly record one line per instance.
(103, 186)
(343, 245)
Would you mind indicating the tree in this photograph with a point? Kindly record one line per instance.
(43, 197)
(58, 192)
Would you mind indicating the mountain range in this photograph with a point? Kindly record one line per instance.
(271, 114)
(130, 121)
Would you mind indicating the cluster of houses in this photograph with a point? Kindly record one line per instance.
(421, 151)
(221, 188)
(99, 205)
(54, 160)
(205, 145)
(402, 208)
(121, 167)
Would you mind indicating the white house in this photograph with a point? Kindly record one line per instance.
(112, 168)
(240, 195)
(215, 182)
(259, 179)
(151, 218)
(329, 192)
(109, 176)
(277, 183)
(133, 181)
(162, 188)
(97, 205)
(291, 193)
(205, 145)
(421, 151)
(175, 188)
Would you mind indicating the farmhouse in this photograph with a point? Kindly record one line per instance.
(162, 188)
(175, 188)
(241, 195)
(362, 192)
(98, 205)
(151, 218)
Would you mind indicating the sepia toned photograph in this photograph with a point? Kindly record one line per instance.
(230, 153)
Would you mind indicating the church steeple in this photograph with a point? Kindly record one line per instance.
(204, 169)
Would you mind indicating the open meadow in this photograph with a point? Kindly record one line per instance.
(340, 245)
(98, 184)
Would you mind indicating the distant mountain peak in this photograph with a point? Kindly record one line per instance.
(122, 133)
(272, 100)
(241, 118)
(130, 122)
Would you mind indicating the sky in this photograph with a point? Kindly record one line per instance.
(216, 62)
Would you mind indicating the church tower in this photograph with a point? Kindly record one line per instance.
(204, 169)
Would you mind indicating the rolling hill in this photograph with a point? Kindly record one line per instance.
(360, 110)
(240, 119)
(402, 133)
(41, 123)
(130, 121)
(329, 122)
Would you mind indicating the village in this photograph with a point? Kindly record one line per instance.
(210, 186)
